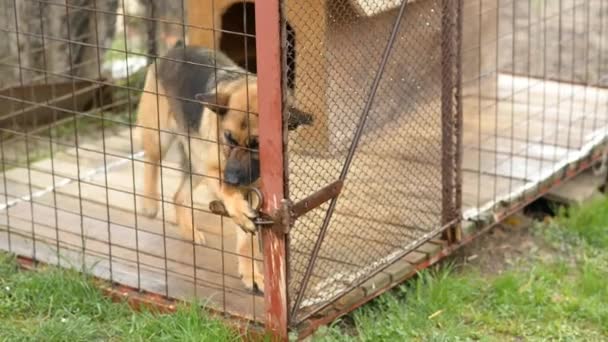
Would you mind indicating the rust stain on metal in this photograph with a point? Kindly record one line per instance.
(313, 201)
(270, 101)
(274, 283)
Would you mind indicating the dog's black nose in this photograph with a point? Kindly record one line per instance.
(231, 178)
(232, 173)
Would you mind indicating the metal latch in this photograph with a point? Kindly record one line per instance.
(288, 212)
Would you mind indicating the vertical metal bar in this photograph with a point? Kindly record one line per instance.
(479, 100)
(151, 26)
(560, 44)
(587, 62)
(599, 65)
(76, 134)
(513, 94)
(153, 63)
(572, 76)
(496, 100)
(458, 130)
(50, 130)
(6, 199)
(3, 161)
(543, 24)
(25, 130)
(189, 163)
(214, 32)
(528, 75)
(447, 115)
(246, 50)
(270, 106)
(103, 143)
(162, 185)
(131, 125)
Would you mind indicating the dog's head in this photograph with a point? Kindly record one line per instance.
(236, 103)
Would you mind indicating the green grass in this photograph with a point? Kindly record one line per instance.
(60, 305)
(564, 297)
(588, 223)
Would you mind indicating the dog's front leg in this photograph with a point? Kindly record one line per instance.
(248, 268)
(155, 145)
(183, 205)
(234, 201)
(238, 208)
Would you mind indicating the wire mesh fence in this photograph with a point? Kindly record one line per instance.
(83, 97)
(115, 137)
(535, 97)
(529, 109)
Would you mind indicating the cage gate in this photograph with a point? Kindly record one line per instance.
(365, 88)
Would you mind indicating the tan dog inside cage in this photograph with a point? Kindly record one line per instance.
(206, 102)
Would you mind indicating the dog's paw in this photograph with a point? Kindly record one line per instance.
(149, 211)
(217, 207)
(241, 214)
(245, 223)
(255, 284)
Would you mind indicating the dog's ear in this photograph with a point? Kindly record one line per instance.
(297, 117)
(217, 102)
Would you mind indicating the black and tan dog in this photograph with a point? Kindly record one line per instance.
(203, 93)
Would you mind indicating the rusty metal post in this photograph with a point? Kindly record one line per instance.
(448, 117)
(270, 104)
(459, 129)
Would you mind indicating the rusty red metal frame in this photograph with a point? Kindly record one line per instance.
(447, 115)
(451, 115)
(270, 106)
(458, 129)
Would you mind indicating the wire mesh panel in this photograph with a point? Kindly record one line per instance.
(90, 92)
(371, 72)
(535, 100)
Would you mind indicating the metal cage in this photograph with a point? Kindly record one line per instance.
(432, 120)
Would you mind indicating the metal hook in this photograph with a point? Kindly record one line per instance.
(258, 193)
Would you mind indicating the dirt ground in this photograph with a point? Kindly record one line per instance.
(506, 245)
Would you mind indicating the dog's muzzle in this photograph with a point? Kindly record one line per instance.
(241, 172)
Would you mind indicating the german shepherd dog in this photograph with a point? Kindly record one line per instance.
(205, 95)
